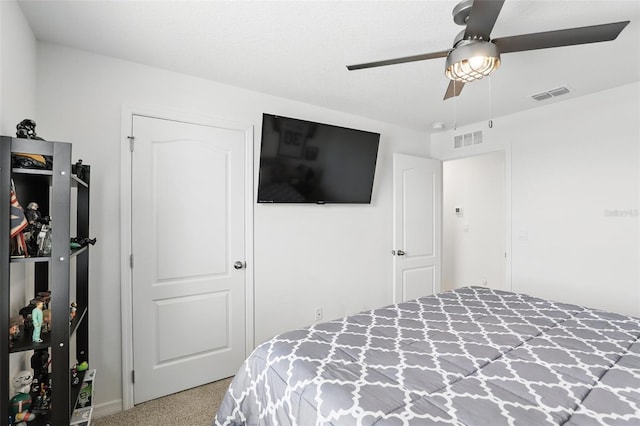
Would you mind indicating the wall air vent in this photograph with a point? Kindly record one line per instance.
(467, 139)
(558, 91)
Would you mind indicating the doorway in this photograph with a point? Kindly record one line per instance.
(474, 222)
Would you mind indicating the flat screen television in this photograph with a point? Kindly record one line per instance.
(308, 162)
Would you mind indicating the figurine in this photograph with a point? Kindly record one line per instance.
(45, 296)
(77, 242)
(43, 399)
(46, 320)
(73, 308)
(14, 330)
(36, 318)
(75, 379)
(20, 404)
(32, 212)
(36, 222)
(80, 170)
(40, 365)
(22, 381)
(18, 225)
(44, 241)
(26, 129)
(26, 316)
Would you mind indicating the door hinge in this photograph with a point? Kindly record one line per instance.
(131, 261)
(131, 140)
(133, 376)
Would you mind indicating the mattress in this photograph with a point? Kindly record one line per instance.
(471, 356)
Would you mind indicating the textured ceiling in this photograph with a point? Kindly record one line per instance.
(299, 49)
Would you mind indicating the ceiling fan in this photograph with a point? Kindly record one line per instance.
(474, 54)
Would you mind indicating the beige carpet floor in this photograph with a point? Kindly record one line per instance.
(193, 407)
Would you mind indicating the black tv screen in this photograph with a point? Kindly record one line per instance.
(308, 162)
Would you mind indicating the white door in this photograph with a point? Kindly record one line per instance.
(188, 226)
(417, 217)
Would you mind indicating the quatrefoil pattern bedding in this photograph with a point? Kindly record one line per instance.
(472, 356)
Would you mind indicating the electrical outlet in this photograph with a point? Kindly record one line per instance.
(483, 282)
(318, 314)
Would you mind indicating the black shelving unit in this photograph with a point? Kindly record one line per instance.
(52, 190)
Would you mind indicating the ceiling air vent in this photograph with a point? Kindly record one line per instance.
(551, 93)
(467, 139)
(457, 141)
(541, 96)
(559, 91)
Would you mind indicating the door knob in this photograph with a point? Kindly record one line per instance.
(400, 253)
(238, 265)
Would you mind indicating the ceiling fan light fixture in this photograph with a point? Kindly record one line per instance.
(471, 60)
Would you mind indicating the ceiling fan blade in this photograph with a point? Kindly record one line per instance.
(454, 89)
(482, 18)
(414, 58)
(568, 37)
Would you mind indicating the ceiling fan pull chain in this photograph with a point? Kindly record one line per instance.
(490, 104)
(455, 123)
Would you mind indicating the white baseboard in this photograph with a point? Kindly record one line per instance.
(107, 408)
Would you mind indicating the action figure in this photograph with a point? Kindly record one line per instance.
(73, 309)
(36, 319)
(36, 222)
(26, 317)
(40, 364)
(22, 381)
(21, 401)
(14, 330)
(18, 224)
(26, 129)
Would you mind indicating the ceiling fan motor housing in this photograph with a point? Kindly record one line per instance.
(471, 60)
(462, 11)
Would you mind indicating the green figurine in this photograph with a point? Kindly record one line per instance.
(36, 319)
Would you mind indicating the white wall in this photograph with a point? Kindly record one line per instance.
(574, 169)
(473, 241)
(335, 256)
(17, 101)
(17, 68)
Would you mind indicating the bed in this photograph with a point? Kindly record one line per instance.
(471, 356)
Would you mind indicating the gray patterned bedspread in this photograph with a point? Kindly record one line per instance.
(472, 356)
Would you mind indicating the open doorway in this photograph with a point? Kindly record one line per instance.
(474, 222)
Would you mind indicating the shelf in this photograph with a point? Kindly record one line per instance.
(40, 172)
(78, 252)
(36, 259)
(24, 342)
(75, 181)
(61, 195)
(80, 314)
(75, 389)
